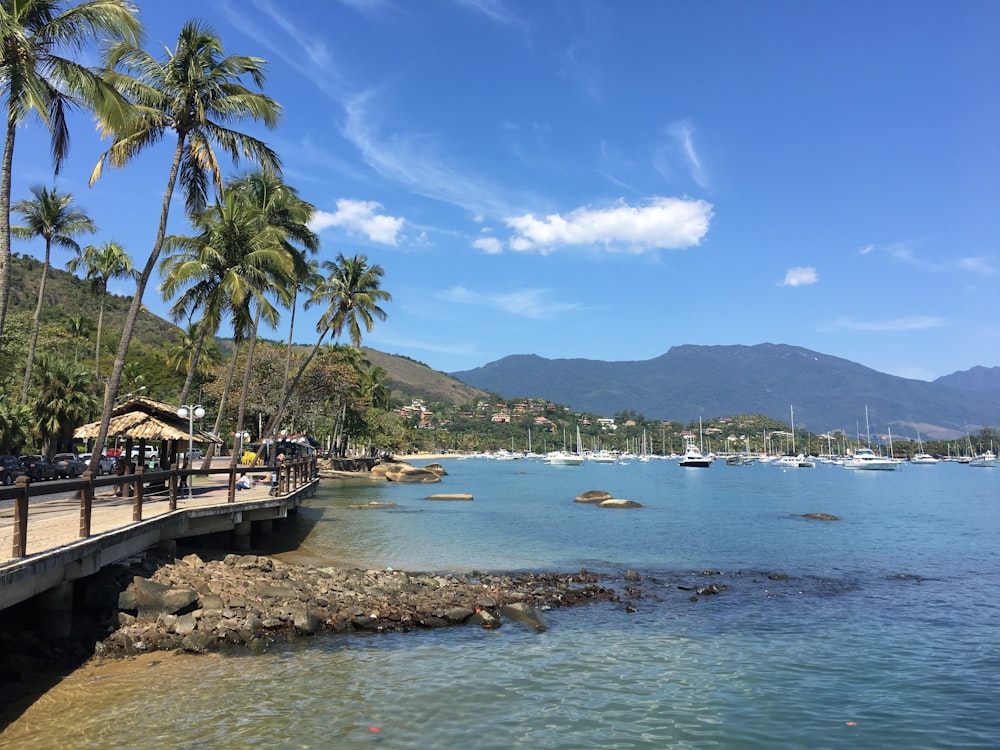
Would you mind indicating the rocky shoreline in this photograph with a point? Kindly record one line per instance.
(251, 601)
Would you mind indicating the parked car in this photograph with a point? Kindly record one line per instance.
(69, 465)
(105, 464)
(10, 469)
(38, 467)
(151, 452)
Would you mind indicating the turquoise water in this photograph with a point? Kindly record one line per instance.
(884, 633)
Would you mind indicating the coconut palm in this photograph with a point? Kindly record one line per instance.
(14, 421)
(351, 292)
(80, 327)
(35, 78)
(193, 94)
(62, 401)
(53, 217)
(101, 264)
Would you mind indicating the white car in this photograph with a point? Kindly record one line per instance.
(104, 465)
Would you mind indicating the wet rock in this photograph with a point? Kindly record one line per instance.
(593, 496)
(820, 516)
(617, 502)
(450, 496)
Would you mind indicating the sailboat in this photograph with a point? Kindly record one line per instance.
(564, 457)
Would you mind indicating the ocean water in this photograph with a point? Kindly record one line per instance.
(879, 630)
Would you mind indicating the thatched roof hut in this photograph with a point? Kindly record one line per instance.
(145, 420)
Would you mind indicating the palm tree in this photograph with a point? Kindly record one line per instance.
(194, 92)
(80, 327)
(312, 278)
(351, 292)
(62, 401)
(101, 264)
(14, 421)
(53, 217)
(34, 78)
(241, 253)
(181, 356)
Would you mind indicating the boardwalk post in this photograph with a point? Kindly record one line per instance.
(86, 503)
(173, 488)
(232, 484)
(137, 494)
(20, 546)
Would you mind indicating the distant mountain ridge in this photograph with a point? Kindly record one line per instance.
(690, 381)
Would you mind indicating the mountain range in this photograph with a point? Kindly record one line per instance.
(821, 392)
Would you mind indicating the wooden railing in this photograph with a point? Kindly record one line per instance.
(177, 484)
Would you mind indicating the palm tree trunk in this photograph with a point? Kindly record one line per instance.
(35, 325)
(202, 332)
(100, 327)
(207, 463)
(288, 349)
(5, 173)
(276, 417)
(111, 388)
(245, 391)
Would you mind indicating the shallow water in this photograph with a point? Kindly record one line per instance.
(883, 634)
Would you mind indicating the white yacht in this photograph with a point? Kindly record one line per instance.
(694, 457)
(866, 458)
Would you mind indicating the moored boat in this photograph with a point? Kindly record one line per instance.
(866, 458)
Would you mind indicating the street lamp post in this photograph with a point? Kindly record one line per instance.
(190, 412)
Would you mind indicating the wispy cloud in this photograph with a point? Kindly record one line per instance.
(495, 10)
(529, 303)
(800, 276)
(414, 163)
(677, 151)
(912, 323)
(360, 217)
(663, 223)
(866, 249)
(977, 265)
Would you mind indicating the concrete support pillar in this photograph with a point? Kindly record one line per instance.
(241, 536)
(55, 610)
(265, 527)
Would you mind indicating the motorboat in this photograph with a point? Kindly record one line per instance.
(866, 458)
(987, 460)
(924, 458)
(794, 462)
(563, 458)
(695, 458)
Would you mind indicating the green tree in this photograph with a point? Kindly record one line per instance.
(80, 327)
(193, 93)
(351, 292)
(101, 264)
(53, 217)
(35, 78)
(62, 401)
(14, 421)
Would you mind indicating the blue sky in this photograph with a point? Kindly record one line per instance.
(606, 180)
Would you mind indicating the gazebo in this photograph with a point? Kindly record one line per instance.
(147, 421)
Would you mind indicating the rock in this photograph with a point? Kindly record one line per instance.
(632, 576)
(593, 496)
(198, 643)
(525, 613)
(617, 502)
(820, 516)
(411, 475)
(437, 469)
(450, 496)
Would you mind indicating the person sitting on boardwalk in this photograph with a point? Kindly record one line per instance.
(244, 482)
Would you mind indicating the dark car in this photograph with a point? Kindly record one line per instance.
(38, 468)
(69, 465)
(10, 469)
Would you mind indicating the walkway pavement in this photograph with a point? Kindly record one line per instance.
(54, 519)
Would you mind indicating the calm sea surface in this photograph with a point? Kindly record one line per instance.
(885, 633)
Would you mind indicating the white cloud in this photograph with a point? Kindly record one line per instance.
(866, 249)
(912, 323)
(529, 303)
(489, 245)
(800, 277)
(360, 217)
(495, 10)
(663, 223)
(683, 135)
